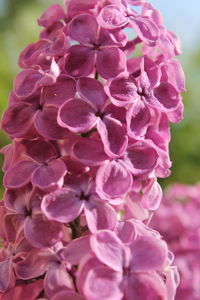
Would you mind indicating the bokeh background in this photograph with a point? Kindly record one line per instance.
(18, 28)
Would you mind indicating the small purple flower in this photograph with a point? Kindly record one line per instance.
(98, 48)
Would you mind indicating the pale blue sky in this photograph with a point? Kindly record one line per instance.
(183, 17)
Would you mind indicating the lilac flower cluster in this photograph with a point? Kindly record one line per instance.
(178, 221)
(89, 120)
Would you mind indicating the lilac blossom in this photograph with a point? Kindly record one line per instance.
(89, 124)
(178, 221)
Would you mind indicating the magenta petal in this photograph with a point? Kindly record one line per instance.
(102, 283)
(100, 216)
(112, 17)
(28, 81)
(109, 249)
(76, 249)
(166, 97)
(49, 177)
(7, 277)
(16, 200)
(110, 62)
(113, 136)
(113, 180)
(52, 14)
(35, 264)
(80, 6)
(138, 118)
(56, 280)
(80, 61)
(148, 253)
(146, 30)
(92, 90)
(143, 286)
(17, 119)
(41, 233)
(83, 28)
(30, 54)
(20, 174)
(47, 126)
(59, 92)
(25, 291)
(33, 149)
(69, 295)
(143, 158)
(176, 115)
(122, 91)
(77, 115)
(62, 206)
(94, 147)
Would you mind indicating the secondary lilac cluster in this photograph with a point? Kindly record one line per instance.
(89, 118)
(178, 221)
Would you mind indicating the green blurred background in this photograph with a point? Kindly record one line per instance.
(18, 28)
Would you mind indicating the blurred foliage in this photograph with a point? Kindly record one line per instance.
(18, 28)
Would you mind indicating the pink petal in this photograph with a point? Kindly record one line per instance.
(148, 253)
(176, 116)
(83, 28)
(80, 6)
(113, 180)
(94, 147)
(172, 282)
(80, 61)
(143, 158)
(56, 280)
(41, 233)
(51, 176)
(113, 136)
(59, 92)
(47, 126)
(102, 283)
(146, 30)
(109, 249)
(8, 151)
(112, 17)
(16, 200)
(122, 91)
(62, 206)
(138, 118)
(76, 250)
(24, 291)
(100, 216)
(126, 231)
(152, 195)
(28, 81)
(35, 264)
(77, 115)
(33, 149)
(7, 277)
(17, 119)
(52, 14)
(173, 72)
(143, 286)
(165, 98)
(117, 38)
(30, 54)
(110, 62)
(19, 174)
(69, 295)
(92, 90)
